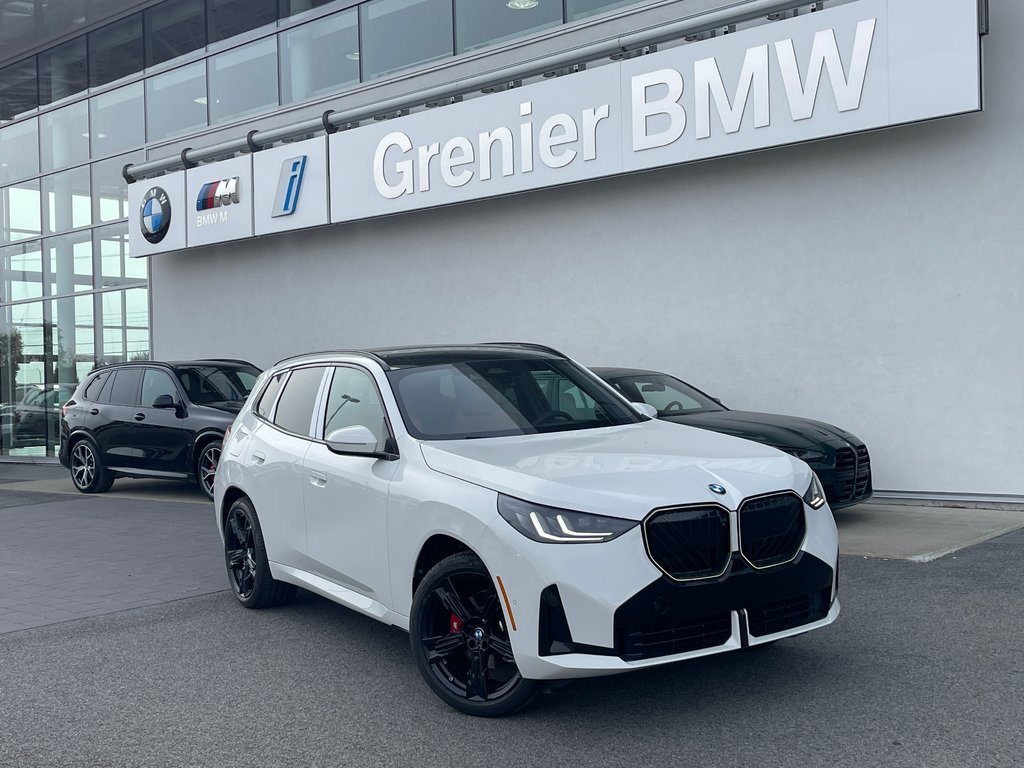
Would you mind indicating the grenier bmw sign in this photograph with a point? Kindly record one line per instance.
(864, 65)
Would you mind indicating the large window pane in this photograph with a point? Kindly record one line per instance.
(62, 71)
(578, 9)
(243, 81)
(68, 263)
(22, 269)
(173, 29)
(18, 92)
(176, 101)
(402, 33)
(22, 366)
(319, 57)
(136, 323)
(72, 343)
(228, 18)
(115, 266)
(64, 136)
(118, 120)
(67, 201)
(19, 151)
(478, 23)
(20, 212)
(115, 50)
(109, 189)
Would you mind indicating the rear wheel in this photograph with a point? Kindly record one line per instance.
(461, 643)
(206, 467)
(245, 555)
(87, 471)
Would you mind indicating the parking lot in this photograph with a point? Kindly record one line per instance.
(120, 646)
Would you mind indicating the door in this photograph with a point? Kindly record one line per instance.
(115, 433)
(346, 496)
(160, 433)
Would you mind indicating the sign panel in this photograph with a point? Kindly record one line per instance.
(291, 186)
(156, 215)
(219, 200)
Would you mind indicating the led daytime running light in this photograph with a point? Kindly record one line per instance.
(570, 534)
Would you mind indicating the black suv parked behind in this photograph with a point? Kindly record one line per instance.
(155, 420)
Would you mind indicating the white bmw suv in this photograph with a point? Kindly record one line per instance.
(517, 516)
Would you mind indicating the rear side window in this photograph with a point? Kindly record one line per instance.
(125, 390)
(95, 386)
(266, 402)
(295, 408)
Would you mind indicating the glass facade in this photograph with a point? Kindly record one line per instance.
(72, 116)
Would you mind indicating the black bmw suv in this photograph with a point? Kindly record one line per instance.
(154, 420)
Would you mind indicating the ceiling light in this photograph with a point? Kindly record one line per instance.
(353, 56)
(200, 100)
(522, 5)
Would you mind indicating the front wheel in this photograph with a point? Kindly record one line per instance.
(206, 467)
(460, 641)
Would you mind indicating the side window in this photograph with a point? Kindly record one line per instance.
(155, 383)
(269, 396)
(125, 389)
(295, 408)
(353, 400)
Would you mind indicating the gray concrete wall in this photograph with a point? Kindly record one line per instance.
(871, 281)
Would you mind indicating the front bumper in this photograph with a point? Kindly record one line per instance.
(592, 609)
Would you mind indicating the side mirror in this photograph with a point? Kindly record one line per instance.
(356, 439)
(645, 409)
(164, 401)
(718, 401)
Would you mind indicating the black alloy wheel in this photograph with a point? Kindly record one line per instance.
(246, 558)
(87, 471)
(206, 467)
(461, 642)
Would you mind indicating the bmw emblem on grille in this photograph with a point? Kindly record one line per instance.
(155, 215)
(716, 488)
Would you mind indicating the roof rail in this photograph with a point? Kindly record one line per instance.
(362, 352)
(525, 345)
(219, 360)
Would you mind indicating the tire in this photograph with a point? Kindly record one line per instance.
(460, 642)
(245, 556)
(87, 471)
(206, 466)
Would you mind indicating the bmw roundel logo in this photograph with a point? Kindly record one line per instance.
(155, 215)
(716, 488)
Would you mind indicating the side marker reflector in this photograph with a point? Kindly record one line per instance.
(508, 607)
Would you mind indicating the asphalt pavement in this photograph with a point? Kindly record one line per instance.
(161, 667)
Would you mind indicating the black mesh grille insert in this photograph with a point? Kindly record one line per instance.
(664, 639)
(689, 543)
(771, 529)
(791, 612)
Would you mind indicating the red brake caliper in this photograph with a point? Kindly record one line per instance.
(456, 625)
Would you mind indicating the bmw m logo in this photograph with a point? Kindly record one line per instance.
(217, 193)
(155, 215)
(716, 488)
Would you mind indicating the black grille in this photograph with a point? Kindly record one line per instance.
(664, 639)
(862, 484)
(792, 612)
(690, 542)
(853, 475)
(771, 529)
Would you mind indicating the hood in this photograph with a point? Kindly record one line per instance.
(623, 471)
(772, 428)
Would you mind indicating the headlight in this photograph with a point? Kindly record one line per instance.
(804, 454)
(550, 525)
(814, 497)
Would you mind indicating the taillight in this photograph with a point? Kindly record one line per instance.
(227, 434)
(65, 408)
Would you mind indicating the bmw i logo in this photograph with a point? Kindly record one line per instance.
(155, 215)
(716, 488)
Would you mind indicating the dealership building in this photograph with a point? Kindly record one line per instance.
(803, 208)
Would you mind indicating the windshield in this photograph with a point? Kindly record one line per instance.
(492, 398)
(217, 383)
(667, 394)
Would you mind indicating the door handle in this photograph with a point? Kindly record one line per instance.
(318, 479)
(258, 458)
(94, 411)
(140, 417)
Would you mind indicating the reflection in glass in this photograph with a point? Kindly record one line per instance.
(109, 189)
(398, 34)
(228, 18)
(67, 201)
(72, 339)
(176, 101)
(288, 8)
(22, 270)
(243, 81)
(115, 50)
(579, 9)
(174, 29)
(319, 57)
(67, 261)
(18, 91)
(478, 24)
(62, 71)
(118, 120)
(64, 136)
(115, 266)
(20, 216)
(19, 151)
